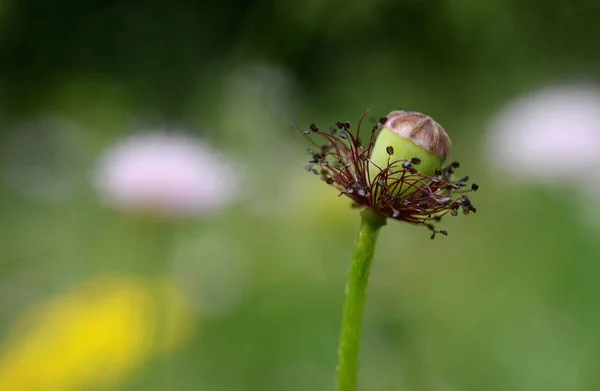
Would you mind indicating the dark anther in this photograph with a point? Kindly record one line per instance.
(329, 181)
(445, 233)
(314, 128)
(364, 155)
(310, 151)
(344, 135)
(339, 125)
(445, 200)
(309, 167)
(381, 182)
(382, 120)
(474, 187)
(432, 236)
(389, 150)
(332, 130)
(314, 171)
(438, 172)
(406, 164)
(461, 183)
(360, 189)
(415, 161)
(346, 191)
(347, 125)
(454, 212)
(472, 209)
(455, 165)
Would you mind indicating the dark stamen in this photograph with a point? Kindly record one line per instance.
(445, 200)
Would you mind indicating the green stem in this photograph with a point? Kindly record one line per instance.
(356, 291)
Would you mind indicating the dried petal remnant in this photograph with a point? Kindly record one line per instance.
(397, 189)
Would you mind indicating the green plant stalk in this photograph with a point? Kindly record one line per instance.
(356, 292)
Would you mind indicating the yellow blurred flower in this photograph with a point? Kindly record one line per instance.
(92, 335)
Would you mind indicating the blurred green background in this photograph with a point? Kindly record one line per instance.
(249, 297)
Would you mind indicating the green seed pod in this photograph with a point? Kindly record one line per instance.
(407, 135)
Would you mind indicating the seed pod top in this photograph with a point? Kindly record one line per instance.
(422, 130)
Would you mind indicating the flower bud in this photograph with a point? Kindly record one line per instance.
(398, 175)
(405, 136)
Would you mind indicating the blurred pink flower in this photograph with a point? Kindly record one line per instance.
(164, 173)
(552, 135)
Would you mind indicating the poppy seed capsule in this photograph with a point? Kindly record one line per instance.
(410, 135)
(397, 174)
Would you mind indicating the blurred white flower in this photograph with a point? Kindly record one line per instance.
(552, 135)
(169, 174)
